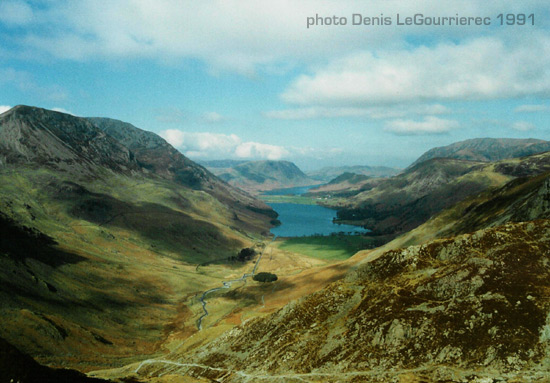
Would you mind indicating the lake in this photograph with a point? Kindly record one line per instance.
(298, 190)
(304, 220)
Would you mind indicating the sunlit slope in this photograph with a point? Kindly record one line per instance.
(403, 202)
(449, 310)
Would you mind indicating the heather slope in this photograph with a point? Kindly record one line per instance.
(448, 310)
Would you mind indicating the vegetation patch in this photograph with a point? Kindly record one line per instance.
(265, 277)
(334, 247)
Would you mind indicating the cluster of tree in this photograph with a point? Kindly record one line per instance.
(244, 255)
(265, 277)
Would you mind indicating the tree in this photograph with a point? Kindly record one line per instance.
(246, 254)
(265, 277)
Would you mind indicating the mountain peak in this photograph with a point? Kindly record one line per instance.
(486, 149)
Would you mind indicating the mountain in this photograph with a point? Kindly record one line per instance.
(345, 185)
(522, 199)
(258, 176)
(467, 302)
(401, 203)
(466, 309)
(16, 366)
(102, 229)
(222, 164)
(328, 173)
(487, 149)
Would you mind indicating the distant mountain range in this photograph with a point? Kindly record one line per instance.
(400, 203)
(258, 176)
(327, 174)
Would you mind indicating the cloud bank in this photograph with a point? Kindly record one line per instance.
(216, 145)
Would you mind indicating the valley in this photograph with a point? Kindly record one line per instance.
(123, 259)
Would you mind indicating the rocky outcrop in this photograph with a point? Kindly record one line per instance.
(472, 308)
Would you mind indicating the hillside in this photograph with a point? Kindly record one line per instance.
(468, 309)
(259, 176)
(328, 173)
(487, 149)
(401, 203)
(472, 307)
(103, 226)
(522, 199)
(345, 185)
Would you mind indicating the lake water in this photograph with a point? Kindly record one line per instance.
(304, 220)
(298, 190)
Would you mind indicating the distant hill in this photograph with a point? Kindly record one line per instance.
(327, 174)
(401, 203)
(487, 149)
(345, 185)
(259, 176)
(223, 164)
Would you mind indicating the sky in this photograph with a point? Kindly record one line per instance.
(286, 79)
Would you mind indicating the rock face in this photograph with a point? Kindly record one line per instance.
(471, 308)
(37, 136)
(487, 149)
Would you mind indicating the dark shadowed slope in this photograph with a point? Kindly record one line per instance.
(100, 238)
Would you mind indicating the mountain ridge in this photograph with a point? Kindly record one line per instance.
(486, 149)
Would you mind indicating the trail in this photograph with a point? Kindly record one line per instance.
(307, 377)
(227, 285)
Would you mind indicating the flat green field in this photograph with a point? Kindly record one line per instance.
(330, 248)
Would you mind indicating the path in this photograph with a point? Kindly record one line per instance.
(227, 285)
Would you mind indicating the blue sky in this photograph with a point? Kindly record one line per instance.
(248, 80)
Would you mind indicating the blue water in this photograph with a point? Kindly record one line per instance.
(299, 190)
(304, 220)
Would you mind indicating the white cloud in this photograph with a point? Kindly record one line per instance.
(4, 108)
(216, 145)
(232, 35)
(61, 110)
(257, 150)
(430, 125)
(532, 108)
(522, 126)
(485, 68)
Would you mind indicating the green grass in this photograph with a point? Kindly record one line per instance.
(288, 199)
(330, 248)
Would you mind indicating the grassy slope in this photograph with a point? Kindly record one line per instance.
(123, 286)
(329, 248)
(119, 281)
